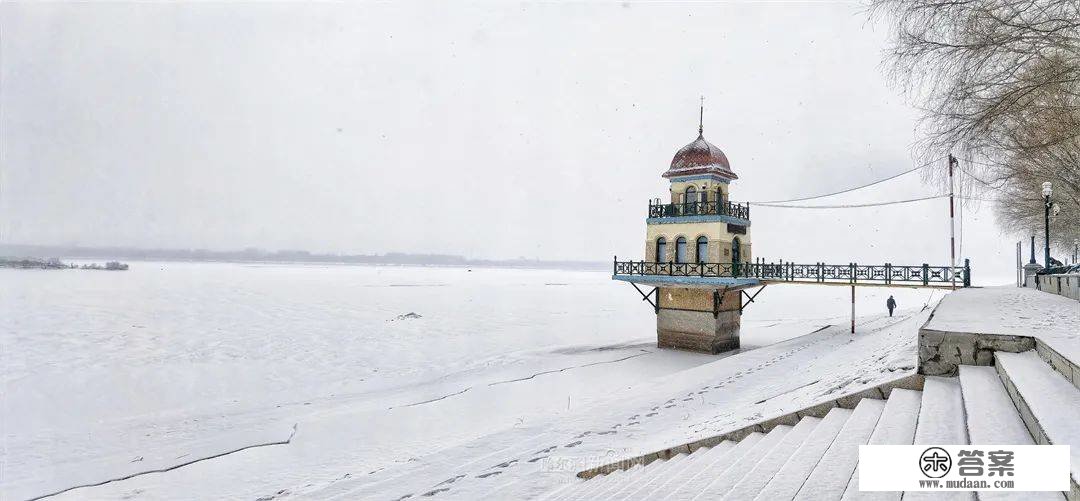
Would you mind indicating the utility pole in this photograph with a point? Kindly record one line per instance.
(952, 224)
(1047, 190)
(1019, 268)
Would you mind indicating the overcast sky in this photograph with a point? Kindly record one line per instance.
(488, 129)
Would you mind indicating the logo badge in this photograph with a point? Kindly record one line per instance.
(935, 462)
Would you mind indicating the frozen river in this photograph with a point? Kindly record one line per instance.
(109, 374)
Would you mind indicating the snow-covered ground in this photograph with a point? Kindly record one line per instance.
(322, 380)
(1013, 311)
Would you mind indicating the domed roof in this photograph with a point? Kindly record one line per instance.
(700, 157)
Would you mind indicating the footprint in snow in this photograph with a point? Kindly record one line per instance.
(573, 444)
(486, 475)
(434, 492)
(651, 414)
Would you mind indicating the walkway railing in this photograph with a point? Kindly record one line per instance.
(806, 273)
(732, 209)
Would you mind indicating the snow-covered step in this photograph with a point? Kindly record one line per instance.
(896, 427)
(702, 472)
(941, 422)
(941, 417)
(787, 482)
(1048, 404)
(752, 483)
(731, 475)
(593, 485)
(653, 471)
(628, 476)
(679, 473)
(562, 492)
(830, 477)
(992, 417)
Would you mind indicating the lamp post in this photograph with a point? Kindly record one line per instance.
(1047, 191)
(1076, 247)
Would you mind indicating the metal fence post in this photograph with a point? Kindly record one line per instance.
(967, 272)
(925, 274)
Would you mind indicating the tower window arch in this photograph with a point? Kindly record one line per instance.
(680, 250)
(691, 195)
(661, 250)
(702, 249)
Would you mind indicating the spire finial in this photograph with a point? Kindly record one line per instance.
(701, 117)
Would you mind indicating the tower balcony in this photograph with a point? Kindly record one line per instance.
(734, 210)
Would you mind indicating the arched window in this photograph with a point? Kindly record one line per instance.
(680, 250)
(661, 250)
(702, 249)
(691, 195)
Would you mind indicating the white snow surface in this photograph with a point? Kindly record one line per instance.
(1053, 400)
(941, 416)
(896, 427)
(992, 417)
(751, 484)
(1013, 311)
(791, 477)
(509, 382)
(832, 474)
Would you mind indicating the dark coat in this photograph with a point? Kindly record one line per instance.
(890, 304)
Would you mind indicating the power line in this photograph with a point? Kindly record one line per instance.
(847, 190)
(848, 206)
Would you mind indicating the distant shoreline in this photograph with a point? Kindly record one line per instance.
(254, 256)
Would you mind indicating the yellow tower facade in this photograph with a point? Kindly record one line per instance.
(696, 242)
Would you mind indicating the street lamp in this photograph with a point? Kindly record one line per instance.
(1047, 191)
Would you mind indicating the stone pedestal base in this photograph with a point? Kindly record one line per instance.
(698, 320)
(1030, 270)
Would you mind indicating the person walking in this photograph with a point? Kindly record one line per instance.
(891, 305)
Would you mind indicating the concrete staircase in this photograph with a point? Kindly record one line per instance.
(1020, 400)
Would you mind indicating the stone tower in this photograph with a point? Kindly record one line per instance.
(695, 244)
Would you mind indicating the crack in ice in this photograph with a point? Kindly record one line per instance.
(169, 468)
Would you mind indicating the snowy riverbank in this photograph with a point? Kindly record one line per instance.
(173, 362)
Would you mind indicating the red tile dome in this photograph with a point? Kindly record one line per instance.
(700, 157)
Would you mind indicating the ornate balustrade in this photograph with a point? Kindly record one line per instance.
(714, 208)
(806, 273)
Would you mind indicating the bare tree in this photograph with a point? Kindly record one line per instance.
(998, 82)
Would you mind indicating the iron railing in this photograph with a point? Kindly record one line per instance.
(818, 272)
(721, 208)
